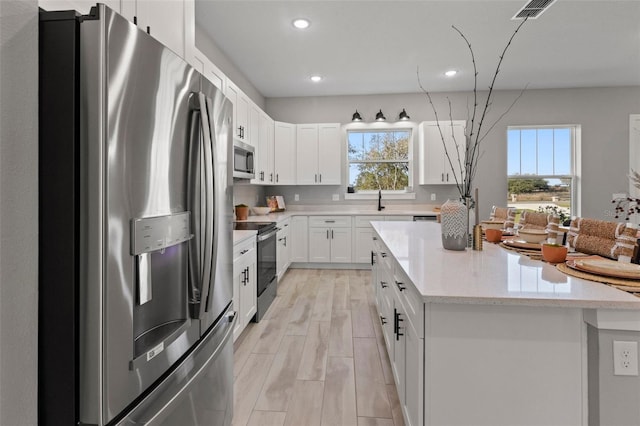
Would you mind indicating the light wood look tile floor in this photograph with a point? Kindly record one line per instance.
(317, 357)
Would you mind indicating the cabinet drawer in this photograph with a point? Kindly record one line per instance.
(244, 248)
(410, 299)
(363, 221)
(398, 218)
(329, 221)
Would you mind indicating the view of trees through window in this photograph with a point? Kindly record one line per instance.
(379, 159)
(540, 169)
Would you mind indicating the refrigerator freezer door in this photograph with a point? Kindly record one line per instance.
(198, 391)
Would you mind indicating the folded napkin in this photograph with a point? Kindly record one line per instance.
(608, 239)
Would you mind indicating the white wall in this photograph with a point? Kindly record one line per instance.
(603, 114)
(18, 211)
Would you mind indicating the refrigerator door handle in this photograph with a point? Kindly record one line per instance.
(200, 203)
(210, 247)
(213, 220)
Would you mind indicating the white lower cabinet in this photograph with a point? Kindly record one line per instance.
(244, 283)
(330, 239)
(299, 237)
(401, 314)
(283, 257)
(363, 234)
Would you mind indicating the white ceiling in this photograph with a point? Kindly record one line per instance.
(375, 47)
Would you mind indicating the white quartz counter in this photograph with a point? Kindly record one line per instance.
(491, 276)
(276, 217)
(240, 236)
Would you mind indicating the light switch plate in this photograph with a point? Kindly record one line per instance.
(336, 197)
(296, 197)
(433, 197)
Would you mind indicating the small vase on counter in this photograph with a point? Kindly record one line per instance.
(454, 220)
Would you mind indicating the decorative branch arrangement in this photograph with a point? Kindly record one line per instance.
(474, 135)
(628, 206)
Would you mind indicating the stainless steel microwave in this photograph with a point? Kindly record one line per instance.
(243, 160)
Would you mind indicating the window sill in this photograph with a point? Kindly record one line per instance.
(385, 196)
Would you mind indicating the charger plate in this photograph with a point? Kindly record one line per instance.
(608, 268)
(522, 244)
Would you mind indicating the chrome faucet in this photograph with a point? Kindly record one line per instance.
(380, 206)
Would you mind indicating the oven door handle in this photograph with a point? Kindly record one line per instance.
(267, 235)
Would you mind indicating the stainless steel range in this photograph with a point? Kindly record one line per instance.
(267, 276)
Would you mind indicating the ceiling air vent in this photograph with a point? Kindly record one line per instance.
(533, 9)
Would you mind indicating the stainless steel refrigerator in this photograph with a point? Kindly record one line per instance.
(135, 256)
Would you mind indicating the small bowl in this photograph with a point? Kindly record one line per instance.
(492, 224)
(493, 235)
(261, 211)
(554, 253)
(532, 235)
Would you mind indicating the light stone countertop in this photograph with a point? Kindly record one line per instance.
(276, 217)
(492, 276)
(240, 236)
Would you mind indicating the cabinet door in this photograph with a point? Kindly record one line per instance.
(299, 239)
(164, 20)
(257, 140)
(214, 74)
(231, 92)
(254, 126)
(238, 279)
(364, 245)
(329, 154)
(341, 245)
(414, 378)
(454, 135)
(82, 6)
(267, 148)
(307, 154)
(319, 245)
(431, 154)
(399, 341)
(285, 153)
(243, 118)
(248, 290)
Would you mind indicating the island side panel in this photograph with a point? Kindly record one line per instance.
(613, 400)
(504, 365)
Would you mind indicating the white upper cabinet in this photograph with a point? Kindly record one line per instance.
(82, 6)
(318, 154)
(284, 153)
(163, 20)
(199, 61)
(434, 165)
(264, 151)
(241, 108)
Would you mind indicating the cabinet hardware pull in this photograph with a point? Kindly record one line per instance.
(244, 251)
(270, 177)
(148, 30)
(276, 177)
(442, 178)
(397, 324)
(332, 234)
(383, 254)
(447, 177)
(320, 177)
(247, 276)
(383, 320)
(329, 221)
(375, 238)
(285, 241)
(395, 321)
(400, 285)
(315, 178)
(383, 284)
(327, 234)
(373, 258)
(135, 20)
(244, 277)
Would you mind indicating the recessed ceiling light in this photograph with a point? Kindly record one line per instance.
(451, 73)
(301, 23)
(316, 78)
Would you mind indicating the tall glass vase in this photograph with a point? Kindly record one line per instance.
(455, 224)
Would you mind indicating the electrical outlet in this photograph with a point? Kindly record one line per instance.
(433, 197)
(336, 197)
(625, 358)
(296, 197)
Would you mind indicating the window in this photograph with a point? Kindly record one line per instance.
(542, 172)
(379, 159)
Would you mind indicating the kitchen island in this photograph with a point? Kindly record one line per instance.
(492, 337)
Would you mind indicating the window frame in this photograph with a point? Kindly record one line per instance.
(408, 192)
(575, 156)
